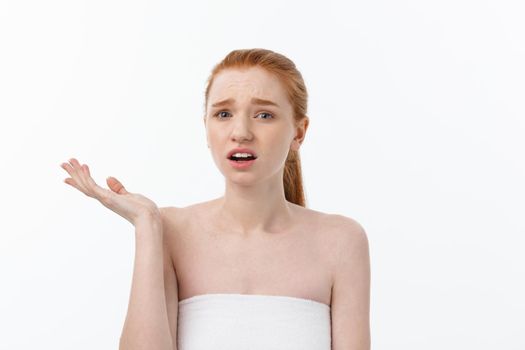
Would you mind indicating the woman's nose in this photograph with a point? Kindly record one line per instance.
(241, 130)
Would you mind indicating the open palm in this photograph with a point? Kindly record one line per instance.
(131, 206)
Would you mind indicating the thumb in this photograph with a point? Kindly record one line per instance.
(115, 185)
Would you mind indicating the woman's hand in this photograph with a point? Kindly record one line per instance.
(133, 207)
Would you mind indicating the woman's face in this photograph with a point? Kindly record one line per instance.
(249, 109)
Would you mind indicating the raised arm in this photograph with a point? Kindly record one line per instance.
(146, 325)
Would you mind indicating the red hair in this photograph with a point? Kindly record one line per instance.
(284, 69)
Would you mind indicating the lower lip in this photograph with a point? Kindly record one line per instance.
(242, 164)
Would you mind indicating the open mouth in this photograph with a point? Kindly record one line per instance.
(242, 159)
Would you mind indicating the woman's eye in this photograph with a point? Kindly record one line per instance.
(266, 114)
(220, 114)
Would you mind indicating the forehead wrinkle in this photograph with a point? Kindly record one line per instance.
(228, 87)
(244, 86)
(252, 93)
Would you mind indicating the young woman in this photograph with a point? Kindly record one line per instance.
(254, 268)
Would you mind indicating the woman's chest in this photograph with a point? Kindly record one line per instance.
(293, 263)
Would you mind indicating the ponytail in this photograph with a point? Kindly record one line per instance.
(293, 180)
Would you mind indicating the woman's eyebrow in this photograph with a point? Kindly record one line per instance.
(255, 100)
(263, 102)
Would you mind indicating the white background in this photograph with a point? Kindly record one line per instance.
(417, 125)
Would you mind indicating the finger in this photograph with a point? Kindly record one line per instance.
(74, 163)
(92, 184)
(98, 192)
(72, 172)
(78, 169)
(86, 169)
(116, 186)
(72, 183)
(78, 174)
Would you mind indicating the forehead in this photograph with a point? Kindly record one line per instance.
(246, 83)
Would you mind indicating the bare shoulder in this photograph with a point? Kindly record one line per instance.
(346, 239)
(351, 283)
(344, 228)
(170, 215)
(175, 218)
(337, 234)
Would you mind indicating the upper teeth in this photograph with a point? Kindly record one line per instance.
(245, 155)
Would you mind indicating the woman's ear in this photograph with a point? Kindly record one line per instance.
(300, 134)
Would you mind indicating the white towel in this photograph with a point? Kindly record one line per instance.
(252, 322)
